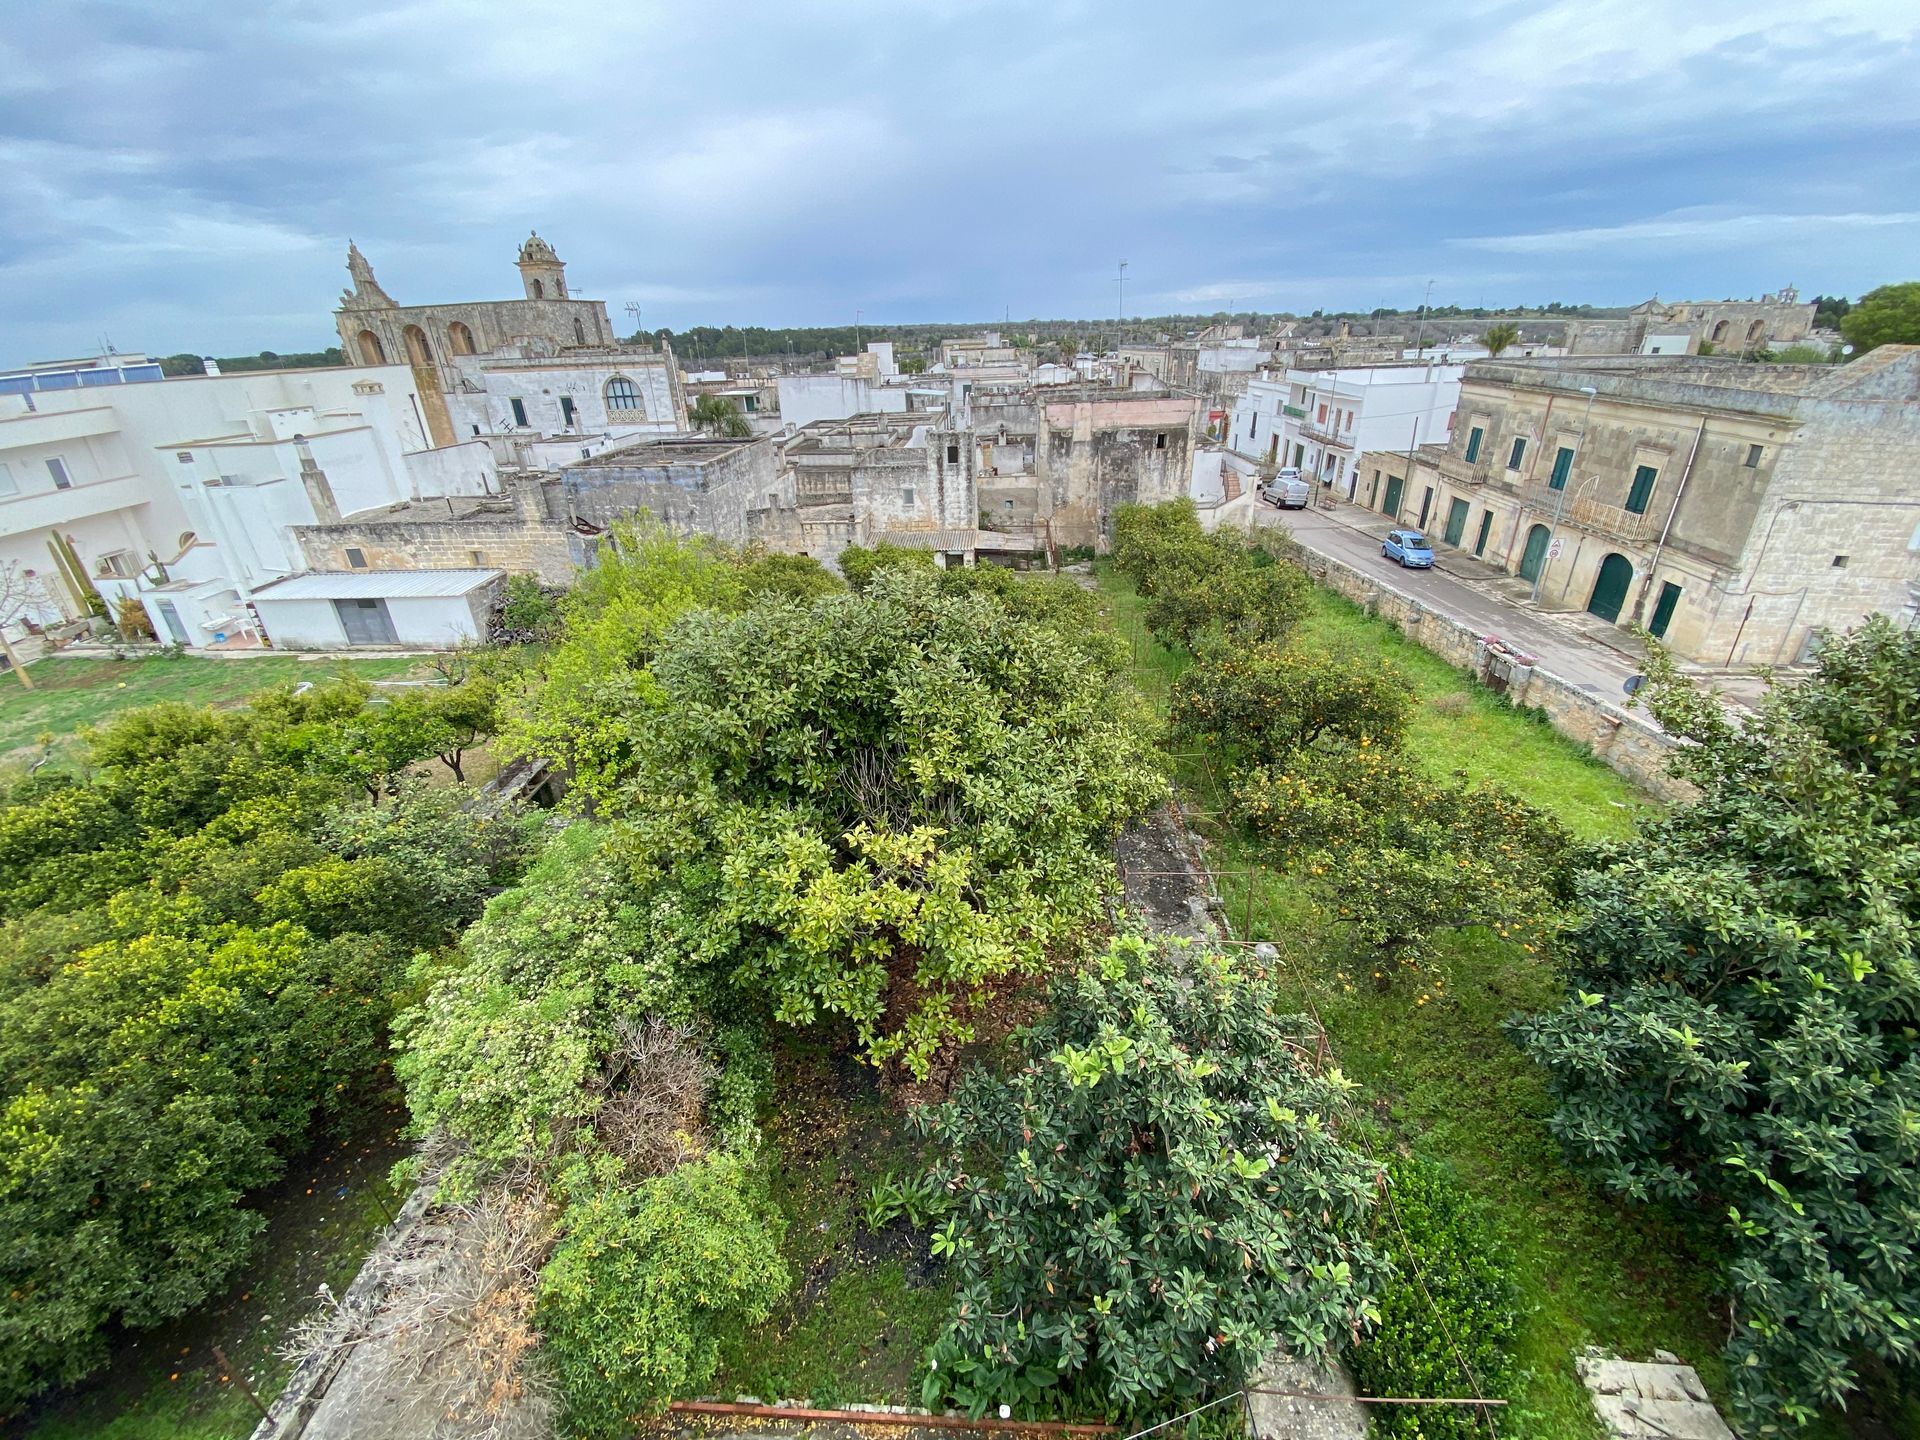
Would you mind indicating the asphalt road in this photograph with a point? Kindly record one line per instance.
(1558, 646)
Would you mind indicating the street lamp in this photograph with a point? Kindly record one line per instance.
(1560, 497)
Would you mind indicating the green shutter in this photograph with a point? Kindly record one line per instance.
(1517, 454)
(1642, 490)
(1474, 437)
(1562, 467)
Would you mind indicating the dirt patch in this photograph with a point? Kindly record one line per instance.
(1163, 882)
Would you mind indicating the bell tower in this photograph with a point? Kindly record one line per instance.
(542, 272)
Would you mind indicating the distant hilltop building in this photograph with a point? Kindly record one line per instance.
(633, 387)
(1684, 327)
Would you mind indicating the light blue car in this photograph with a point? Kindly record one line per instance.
(1409, 547)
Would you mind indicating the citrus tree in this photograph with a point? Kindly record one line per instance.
(1155, 1194)
(1740, 1030)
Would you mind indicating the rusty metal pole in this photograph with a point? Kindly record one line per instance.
(241, 1380)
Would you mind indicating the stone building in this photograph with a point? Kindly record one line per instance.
(1656, 327)
(1733, 509)
(524, 530)
(1097, 448)
(733, 490)
(377, 330)
(885, 478)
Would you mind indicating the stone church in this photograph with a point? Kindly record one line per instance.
(375, 330)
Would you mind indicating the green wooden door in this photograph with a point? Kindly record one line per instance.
(1663, 609)
(1480, 540)
(1610, 587)
(1395, 484)
(1457, 521)
(1536, 553)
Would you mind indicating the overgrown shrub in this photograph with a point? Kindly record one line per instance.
(1449, 1315)
(646, 1279)
(1264, 702)
(1740, 1032)
(1154, 1196)
(859, 563)
(1202, 585)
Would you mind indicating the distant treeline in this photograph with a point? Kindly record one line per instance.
(265, 360)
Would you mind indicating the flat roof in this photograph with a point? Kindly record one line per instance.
(377, 585)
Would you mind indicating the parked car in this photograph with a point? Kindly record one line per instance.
(1409, 547)
(1287, 490)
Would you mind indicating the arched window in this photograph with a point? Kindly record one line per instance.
(372, 352)
(579, 334)
(418, 350)
(621, 395)
(539, 291)
(1755, 331)
(459, 339)
(1719, 332)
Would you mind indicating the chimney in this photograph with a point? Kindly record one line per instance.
(326, 510)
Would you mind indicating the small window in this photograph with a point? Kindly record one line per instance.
(1839, 562)
(1474, 437)
(566, 410)
(906, 495)
(1518, 453)
(185, 457)
(479, 557)
(8, 485)
(1253, 426)
(1160, 441)
(519, 411)
(58, 469)
(953, 456)
(356, 559)
(1754, 452)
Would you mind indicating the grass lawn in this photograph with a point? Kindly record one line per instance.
(1443, 1079)
(865, 1305)
(70, 692)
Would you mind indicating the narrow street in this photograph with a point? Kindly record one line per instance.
(1352, 535)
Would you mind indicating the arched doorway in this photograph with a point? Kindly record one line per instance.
(1535, 555)
(372, 352)
(1610, 587)
(579, 333)
(1719, 332)
(459, 339)
(418, 350)
(1756, 332)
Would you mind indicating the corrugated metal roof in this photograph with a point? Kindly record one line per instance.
(376, 584)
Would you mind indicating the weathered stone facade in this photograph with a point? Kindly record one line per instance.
(526, 531)
(732, 490)
(376, 330)
(1733, 509)
(1097, 449)
(1725, 326)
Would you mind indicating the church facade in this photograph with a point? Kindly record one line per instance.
(432, 339)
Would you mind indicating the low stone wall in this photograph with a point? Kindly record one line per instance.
(1626, 741)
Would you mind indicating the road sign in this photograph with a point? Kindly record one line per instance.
(1553, 550)
(1633, 683)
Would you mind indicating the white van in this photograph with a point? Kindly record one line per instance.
(1287, 490)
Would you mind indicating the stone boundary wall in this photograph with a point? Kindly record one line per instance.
(1625, 741)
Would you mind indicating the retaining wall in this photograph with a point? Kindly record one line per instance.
(1626, 741)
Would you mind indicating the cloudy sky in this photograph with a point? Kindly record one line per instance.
(185, 176)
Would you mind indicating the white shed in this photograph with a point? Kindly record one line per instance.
(412, 609)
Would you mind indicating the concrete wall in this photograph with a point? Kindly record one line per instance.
(807, 398)
(419, 621)
(516, 533)
(702, 488)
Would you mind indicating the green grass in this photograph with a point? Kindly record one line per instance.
(70, 692)
(864, 1307)
(1441, 1076)
(1459, 726)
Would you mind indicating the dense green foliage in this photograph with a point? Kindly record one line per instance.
(1205, 588)
(201, 947)
(719, 415)
(265, 360)
(1260, 702)
(877, 806)
(1740, 1030)
(645, 1280)
(1889, 315)
(1154, 1195)
(1448, 1316)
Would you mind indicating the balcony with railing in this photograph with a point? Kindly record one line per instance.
(1326, 433)
(1583, 512)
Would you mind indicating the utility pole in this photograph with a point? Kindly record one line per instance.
(1123, 292)
(1420, 335)
(1560, 496)
(857, 346)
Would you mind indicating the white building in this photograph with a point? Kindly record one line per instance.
(1321, 420)
(181, 493)
(417, 609)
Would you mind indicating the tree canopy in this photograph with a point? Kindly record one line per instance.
(1740, 1027)
(1889, 315)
